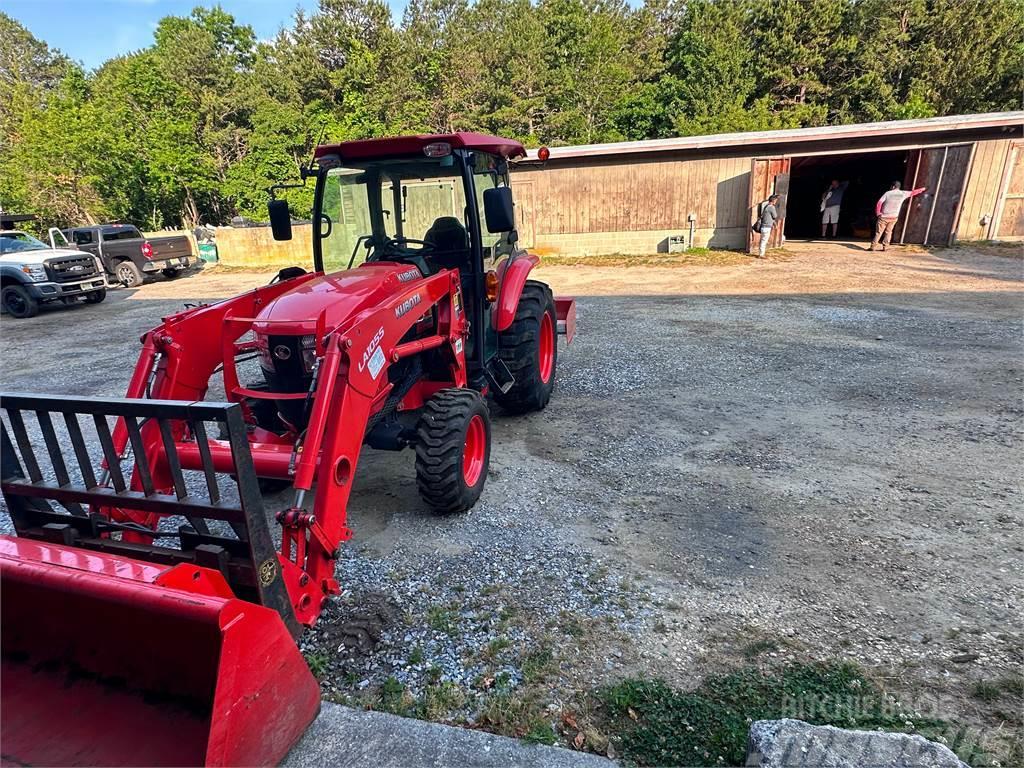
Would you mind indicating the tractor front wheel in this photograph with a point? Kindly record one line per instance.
(453, 449)
(529, 348)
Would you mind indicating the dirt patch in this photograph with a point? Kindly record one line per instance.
(819, 451)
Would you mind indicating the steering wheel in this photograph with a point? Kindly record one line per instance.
(404, 242)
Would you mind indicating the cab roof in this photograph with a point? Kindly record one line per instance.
(405, 146)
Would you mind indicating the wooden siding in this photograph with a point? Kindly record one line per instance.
(1010, 220)
(641, 196)
(981, 195)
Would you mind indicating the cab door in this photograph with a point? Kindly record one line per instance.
(86, 240)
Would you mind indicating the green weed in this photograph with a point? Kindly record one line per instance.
(659, 725)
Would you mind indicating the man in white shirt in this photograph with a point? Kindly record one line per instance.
(888, 211)
(830, 202)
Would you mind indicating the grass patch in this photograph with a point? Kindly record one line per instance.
(416, 657)
(659, 725)
(541, 733)
(753, 650)
(395, 698)
(439, 701)
(1009, 686)
(569, 624)
(692, 257)
(986, 690)
(441, 619)
(520, 716)
(537, 665)
(318, 662)
(492, 649)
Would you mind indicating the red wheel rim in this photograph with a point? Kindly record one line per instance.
(546, 353)
(474, 451)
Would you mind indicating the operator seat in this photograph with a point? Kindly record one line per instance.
(450, 243)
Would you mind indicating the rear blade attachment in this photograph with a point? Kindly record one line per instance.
(565, 311)
(124, 645)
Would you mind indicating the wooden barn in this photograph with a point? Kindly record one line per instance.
(703, 191)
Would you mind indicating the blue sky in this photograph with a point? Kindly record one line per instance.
(92, 31)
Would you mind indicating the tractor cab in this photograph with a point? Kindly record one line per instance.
(431, 202)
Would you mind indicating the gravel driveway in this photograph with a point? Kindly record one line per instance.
(820, 454)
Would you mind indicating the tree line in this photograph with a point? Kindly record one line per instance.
(195, 127)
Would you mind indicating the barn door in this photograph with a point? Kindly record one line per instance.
(767, 176)
(523, 191)
(1009, 220)
(931, 217)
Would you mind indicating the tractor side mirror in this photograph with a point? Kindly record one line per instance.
(499, 212)
(280, 219)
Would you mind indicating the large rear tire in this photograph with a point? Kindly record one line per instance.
(453, 449)
(529, 348)
(18, 302)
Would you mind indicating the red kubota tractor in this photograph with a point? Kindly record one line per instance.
(149, 612)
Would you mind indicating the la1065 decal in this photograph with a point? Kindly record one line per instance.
(373, 355)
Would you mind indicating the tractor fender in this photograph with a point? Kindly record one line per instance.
(512, 275)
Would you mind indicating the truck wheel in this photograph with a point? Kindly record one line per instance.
(129, 275)
(95, 297)
(453, 450)
(18, 302)
(529, 347)
(171, 272)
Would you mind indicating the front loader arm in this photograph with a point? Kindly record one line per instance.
(352, 377)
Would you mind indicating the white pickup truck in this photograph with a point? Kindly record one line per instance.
(34, 273)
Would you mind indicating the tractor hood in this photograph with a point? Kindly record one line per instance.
(339, 295)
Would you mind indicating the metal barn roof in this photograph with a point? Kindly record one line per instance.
(397, 146)
(763, 139)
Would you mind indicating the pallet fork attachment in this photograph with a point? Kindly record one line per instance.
(145, 653)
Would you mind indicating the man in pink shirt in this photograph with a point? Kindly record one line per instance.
(888, 211)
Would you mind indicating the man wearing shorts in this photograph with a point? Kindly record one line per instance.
(830, 203)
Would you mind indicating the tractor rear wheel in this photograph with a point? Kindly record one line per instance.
(529, 348)
(453, 449)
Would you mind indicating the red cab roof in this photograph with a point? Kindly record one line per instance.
(403, 146)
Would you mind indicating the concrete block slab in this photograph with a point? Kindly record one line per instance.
(796, 744)
(353, 738)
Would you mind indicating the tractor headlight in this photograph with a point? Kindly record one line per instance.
(36, 272)
(308, 346)
(263, 352)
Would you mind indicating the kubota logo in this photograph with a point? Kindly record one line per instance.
(405, 277)
(406, 305)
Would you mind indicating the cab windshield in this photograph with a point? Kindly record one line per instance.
(404, 209)
(17, 242)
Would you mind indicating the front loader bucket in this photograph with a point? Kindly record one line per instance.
(118, 647)
(102, 666)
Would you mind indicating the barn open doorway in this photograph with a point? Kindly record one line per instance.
(870, 174)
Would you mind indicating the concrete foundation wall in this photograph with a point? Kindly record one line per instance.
(639, 242)
(256, 247)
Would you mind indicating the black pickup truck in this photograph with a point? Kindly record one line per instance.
(129, 256)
